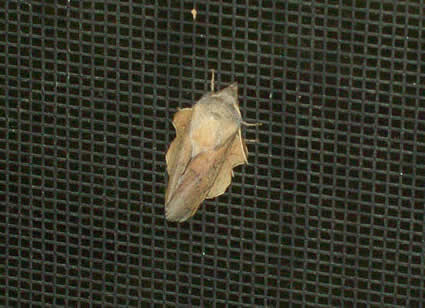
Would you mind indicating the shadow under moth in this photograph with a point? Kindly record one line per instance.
(208, 145)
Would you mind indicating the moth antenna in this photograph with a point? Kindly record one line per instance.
(251, 124)
(252, 140)
(212, 80)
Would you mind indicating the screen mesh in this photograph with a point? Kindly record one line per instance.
(329, 211)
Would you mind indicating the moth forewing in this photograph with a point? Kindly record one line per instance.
(178, 155)
(235, 156)
(195, 184)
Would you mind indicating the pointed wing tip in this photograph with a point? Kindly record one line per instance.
(173, 214)
(172, 217)
(169, 216)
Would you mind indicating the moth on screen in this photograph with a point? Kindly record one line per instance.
(208, 145)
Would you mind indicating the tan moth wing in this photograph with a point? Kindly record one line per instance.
(179, 153)
(208, 145)
(198, 177)
(236, 156)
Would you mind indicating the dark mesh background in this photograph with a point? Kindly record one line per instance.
(329, 212)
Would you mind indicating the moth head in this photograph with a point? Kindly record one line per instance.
(229, 94)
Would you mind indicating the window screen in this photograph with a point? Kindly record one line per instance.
(329, 212)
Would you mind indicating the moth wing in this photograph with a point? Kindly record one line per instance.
(237, 155)
(194, 185)
(178, 155)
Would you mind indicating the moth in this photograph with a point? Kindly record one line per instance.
(208, 145)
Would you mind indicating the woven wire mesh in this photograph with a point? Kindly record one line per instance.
(329, 211)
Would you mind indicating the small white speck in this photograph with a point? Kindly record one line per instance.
(194, 13)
